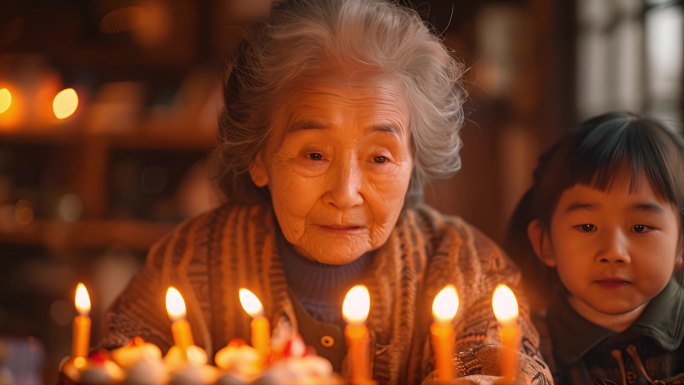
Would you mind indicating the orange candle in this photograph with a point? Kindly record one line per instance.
(444, 309)
(506, 311)
(260, 327)
(355, 311)
(81, 336)
(180, 327)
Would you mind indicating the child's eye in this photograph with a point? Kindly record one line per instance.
(586, 227)
(641, 228)
(314, 156)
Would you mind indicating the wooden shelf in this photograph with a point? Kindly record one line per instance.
(172, 139)
(160, 140)
(86, 158)
(89, 234)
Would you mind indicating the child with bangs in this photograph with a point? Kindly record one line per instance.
(598, 237)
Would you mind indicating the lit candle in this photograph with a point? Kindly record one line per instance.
(180, 327)
(81, 337)
(444, 309)
(355, 311)
(260, 327)
(506, 311)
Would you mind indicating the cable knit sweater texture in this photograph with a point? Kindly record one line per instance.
(210, 257)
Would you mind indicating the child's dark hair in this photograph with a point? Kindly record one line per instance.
(593, 154)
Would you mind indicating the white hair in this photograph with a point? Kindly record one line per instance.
(307, 34)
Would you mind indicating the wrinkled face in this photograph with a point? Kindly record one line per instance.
(338, 164)
(614, 250)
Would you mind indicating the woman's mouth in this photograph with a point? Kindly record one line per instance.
(342, 229)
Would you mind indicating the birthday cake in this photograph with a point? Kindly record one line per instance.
(142, 363)
(281, 359)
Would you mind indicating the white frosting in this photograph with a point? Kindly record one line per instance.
(229, 379)
(94, 376)
(312, 370)
(241, 361)
(100, 374)
(187, 375)
(147, 371)
(175, 359)
(127, 356)
(193, 374)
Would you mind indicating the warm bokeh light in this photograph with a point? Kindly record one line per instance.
(445, 305)
(504, 304)
(122, 19)
(175, 306)
(80, 362)
(251, 303)
(5, 99)
(82, 299)
(23, 212)
(356, 304)
(65, 103)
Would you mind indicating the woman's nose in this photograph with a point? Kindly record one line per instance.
(345, 184)
(614, 248)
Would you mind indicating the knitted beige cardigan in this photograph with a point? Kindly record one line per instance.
(210, 257)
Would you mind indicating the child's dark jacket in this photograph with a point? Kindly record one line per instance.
(648, 352)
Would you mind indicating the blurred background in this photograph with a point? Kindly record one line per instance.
(108, 113)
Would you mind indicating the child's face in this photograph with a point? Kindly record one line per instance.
(614, 250)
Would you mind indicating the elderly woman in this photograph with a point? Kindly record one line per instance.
(337, 112)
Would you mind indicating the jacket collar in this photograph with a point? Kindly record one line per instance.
(573, 336)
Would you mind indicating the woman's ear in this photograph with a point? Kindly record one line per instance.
(257, 170)
(541, 244)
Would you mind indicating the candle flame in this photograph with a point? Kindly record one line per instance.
(175, 305)
(504, 304)
(445, 305)
(251, 303)
(5, 99)
(356, 304)
(82, 300)
(65, 103)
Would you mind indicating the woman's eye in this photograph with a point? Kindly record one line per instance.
(586, 227)
(641, 228)
(314, 156)
(380, 159)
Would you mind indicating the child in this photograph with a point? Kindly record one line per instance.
(604, 215)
